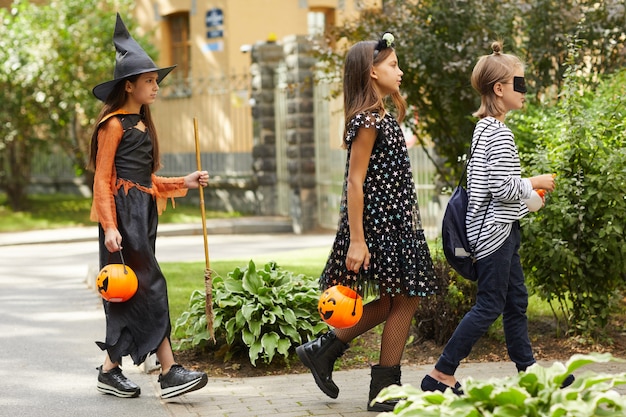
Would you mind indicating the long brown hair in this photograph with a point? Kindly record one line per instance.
(115, 101)
(359, 93)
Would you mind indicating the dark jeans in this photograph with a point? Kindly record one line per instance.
(501, 290)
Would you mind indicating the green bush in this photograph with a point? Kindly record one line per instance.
(262, 312)
(533, 393)
(573, 249)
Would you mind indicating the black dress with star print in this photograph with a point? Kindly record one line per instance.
(400, 259)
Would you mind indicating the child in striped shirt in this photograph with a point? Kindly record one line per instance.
(496, 190)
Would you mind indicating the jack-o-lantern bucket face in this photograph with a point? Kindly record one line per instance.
(116, 283)
(340, 307)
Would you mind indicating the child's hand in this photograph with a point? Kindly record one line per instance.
(358, 256)
(545, 182)
(112, 240)
(196, 179)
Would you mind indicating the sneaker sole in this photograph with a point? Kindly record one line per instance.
(304, 358)
(107, 389)
(194, 385)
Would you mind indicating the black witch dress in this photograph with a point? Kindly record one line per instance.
(125, 196)
(400, 261)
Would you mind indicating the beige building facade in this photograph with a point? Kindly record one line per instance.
(210, 42)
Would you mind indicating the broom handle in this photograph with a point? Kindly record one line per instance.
(207, 271)
(200, 188)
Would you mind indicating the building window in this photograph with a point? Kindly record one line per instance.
(180, 50)
(316, 23)
(320, 20)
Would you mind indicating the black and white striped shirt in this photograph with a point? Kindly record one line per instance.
(494, 186)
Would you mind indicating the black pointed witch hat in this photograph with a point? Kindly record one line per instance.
(130, 59)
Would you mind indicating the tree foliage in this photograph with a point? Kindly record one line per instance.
(51, 56)
(439, 42)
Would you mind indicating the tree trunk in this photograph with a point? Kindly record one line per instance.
(17, 163)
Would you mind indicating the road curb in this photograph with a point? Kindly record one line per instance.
(242, 225)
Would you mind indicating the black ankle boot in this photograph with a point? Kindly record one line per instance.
(382, 377)
(319, 356)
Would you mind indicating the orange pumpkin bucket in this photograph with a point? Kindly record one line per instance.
(340, 307)
(117, 282)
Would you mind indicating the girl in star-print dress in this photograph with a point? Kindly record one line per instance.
(380, 248)
(400, 260)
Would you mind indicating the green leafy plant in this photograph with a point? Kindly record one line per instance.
(264, 312)
(574, 252)
(533, 393)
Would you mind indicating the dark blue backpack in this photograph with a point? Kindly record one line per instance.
(459, 253)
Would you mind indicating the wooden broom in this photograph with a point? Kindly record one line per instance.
(208, 280)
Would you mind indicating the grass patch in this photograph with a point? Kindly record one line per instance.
(185, 277)
(61, 210)
(45, 212)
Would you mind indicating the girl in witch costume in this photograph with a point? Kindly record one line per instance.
(127, 198)
(380, 248)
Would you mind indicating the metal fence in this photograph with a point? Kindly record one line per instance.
(223, 109)
(54, 165)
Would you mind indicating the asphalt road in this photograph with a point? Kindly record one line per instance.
(49, 320)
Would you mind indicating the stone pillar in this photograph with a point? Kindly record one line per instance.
(300, 64)
(265, 58)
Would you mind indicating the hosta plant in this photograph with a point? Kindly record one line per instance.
(534, 393)
(264, 311)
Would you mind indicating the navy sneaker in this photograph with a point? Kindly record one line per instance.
(115, 383)
(180, 381)
(431, 384)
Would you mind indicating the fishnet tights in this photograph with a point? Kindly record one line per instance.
(397, 312)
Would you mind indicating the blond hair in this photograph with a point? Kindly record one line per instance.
(489, 70)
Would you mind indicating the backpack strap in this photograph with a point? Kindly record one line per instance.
(472, 154)
(473, 247)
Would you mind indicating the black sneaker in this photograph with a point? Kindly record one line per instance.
(115, 383)
(180, 381)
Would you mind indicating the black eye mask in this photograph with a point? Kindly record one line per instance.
(519, 84)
